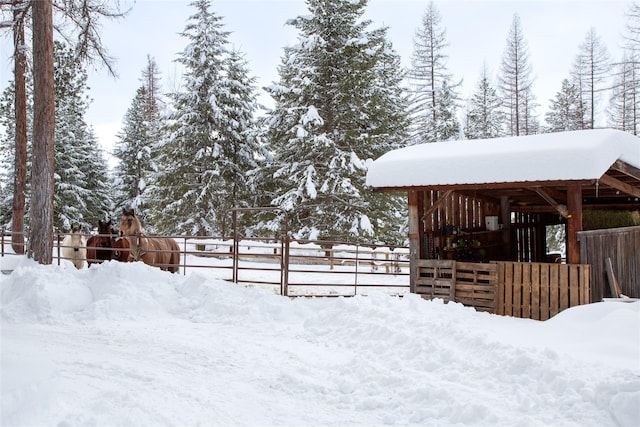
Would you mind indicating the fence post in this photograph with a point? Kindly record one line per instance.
(284, 277)
(184, 257)
(58, 245)
(236, 246)
(355, 288)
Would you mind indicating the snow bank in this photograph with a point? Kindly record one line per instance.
(127, 344)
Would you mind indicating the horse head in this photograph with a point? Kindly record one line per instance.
(130, 224)
(121, 249)
(104, 234)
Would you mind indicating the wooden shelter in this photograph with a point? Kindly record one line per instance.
(487, 200)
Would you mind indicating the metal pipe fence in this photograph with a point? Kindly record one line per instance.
(288, 267)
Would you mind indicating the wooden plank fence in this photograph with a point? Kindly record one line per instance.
(519, 289)
(622, 245)
(469, 283)
(541, 290)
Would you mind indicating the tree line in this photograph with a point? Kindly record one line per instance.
(186, 157)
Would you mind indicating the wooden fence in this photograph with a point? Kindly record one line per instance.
(622, 245)
(472, 284)
(519, 289)
(540, 290)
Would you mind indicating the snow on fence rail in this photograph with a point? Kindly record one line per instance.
(292, 268)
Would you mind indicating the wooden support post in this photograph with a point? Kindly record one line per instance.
(414, 237)
(505, 218)
(574, 222)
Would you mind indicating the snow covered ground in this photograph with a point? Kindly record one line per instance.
(130, 345)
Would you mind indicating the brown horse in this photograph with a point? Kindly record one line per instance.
(161, 252)
(99, 246)
(121, 250)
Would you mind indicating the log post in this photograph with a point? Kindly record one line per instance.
(415, 245)
(574, 222)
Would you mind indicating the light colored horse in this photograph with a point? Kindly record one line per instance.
(74, 248)
(161, 252)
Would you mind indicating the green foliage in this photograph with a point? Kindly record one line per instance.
(602, 219)
(209, 147)
(338, 103)
(82, 193)
(82, 186)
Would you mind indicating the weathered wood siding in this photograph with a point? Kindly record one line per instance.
(622, 245)
(541, 290)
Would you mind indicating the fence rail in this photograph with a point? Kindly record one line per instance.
(319, 268)
(291, 268)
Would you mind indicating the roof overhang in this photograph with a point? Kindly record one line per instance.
(529, 169)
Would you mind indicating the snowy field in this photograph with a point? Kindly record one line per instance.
(130, 345)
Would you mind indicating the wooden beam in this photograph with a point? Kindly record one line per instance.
(562, 209)
(436, 204)
(414, 238)
(574, 223)
(489, 186)
(626, 169)
(619, 185)
(549, 209)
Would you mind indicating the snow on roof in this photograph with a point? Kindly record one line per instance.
(574, 155)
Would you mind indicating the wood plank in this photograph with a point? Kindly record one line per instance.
(574, 223)
(544, 292)
(508, 291)
(554, 289)
(626, 169)
(585, 281)
(620, 185)
(564, 287)
(500, 289)
(574, 285)
(437, 203)
(613, 282)
(535, 291)
(517, 290)
(526, 291)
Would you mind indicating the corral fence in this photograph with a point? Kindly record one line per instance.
(305, 268)
(622, 247)
(286, 266)
(518, 289)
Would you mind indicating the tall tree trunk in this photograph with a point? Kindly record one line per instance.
(20, 176)
(41, 215)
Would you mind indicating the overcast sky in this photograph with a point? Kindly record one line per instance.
(476, 32)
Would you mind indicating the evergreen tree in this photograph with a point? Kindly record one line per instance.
(133, 149)
(565, 110)
(209, 148)
(591, 71)
(7, 154)
(484, 116)
(516, 84)
(338, 103)
(433, 96)
(82, 187)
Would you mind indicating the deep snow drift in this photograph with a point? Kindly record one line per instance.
(127, 344)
